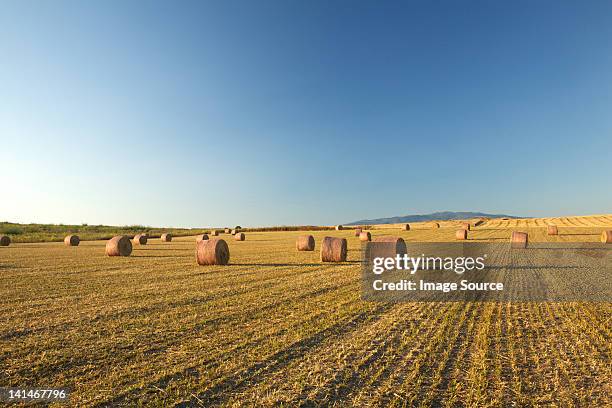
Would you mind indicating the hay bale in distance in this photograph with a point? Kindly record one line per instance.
(461, 234)
(365, 236)
(435, 225)
(519, 240)
(140, 239)
(72, 240)
(466, 226)
(406, 227)
(214, 233)
(201, 237)
(239, 236)
(5, 240)
(358, 231)
(606, 237)
(212, 252)
(333, 249)
(305, 243)
(119, 246)
(227, 231)
(552, 230)
(166, 237)
(339, 227)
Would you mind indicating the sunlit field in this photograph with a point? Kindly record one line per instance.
(277, 326)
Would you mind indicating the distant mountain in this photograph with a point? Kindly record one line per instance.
(445, 215)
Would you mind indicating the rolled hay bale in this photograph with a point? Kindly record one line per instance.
(435, 225)
(239, 236)
(5, 240)
(214, 233)
(519, 240)
(201, 237)
(119, 246)
(606, 237)
(227, 231)
(72, 240)
(358, 231)
(406, 227)
(140, 239)
(365, 236)
(552, 230)
(166, 237)
(396, 245)
(333, 249)
(305, 243)
(461, 234)
(466, 226)
(212, 252)
(234, 232)
(339, 227)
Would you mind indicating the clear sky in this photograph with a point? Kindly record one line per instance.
(302, 112)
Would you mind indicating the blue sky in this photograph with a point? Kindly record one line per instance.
(302, 112)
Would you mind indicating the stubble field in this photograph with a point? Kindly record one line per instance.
(277, 327)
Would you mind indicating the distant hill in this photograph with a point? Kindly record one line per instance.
(445, 215)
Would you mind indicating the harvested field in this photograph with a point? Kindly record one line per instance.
(277, 326)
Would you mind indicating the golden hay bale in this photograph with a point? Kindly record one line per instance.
(119, 246)
(212, 252)
(5, 240)
(234, 232)
(72, 240)
(305, 243)
(239, 236)
(358, 231)
(466, 226)
(519, 239)
(406, 227)
(365, 236)
(166, 237)
(461, 234)
(339, 227)
(333, 249)
(435, 225)
(398, 247)
(606, 237)
(552, 230)
(227, 231)
(214, 233)
(201, 237)
(140, 239)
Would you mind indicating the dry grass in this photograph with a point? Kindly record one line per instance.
(278, 327)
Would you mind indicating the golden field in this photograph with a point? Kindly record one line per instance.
(277, 327)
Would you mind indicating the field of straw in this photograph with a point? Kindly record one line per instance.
(278, 327)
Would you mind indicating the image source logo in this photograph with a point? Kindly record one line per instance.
(486, 272)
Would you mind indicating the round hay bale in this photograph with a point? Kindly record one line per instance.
(227, 231)
(212, 252)
(201, 237)
(396, 245)
(239, 236)
(406, 227)
(119, 246)
(606, 237)
(339, 227)
(214, 233)
(5, 240)
(358, 231)
(166, 237)
(435, 225)
(461, 234)
(72, 240)
(365, 236)
(305, 243)
(234, 232)
(466, 226)
(140, 239)
(333, 249)
(519, 240)
(552, 230)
